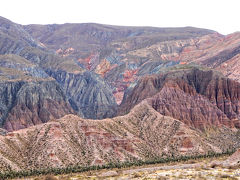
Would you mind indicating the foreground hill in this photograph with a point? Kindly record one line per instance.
(141, 134)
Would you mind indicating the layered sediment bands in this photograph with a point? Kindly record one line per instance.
(222, 92)
(87, 93)
(141, 134)
(200, 98)
(119, 54)
(193, 110)
(24, 104)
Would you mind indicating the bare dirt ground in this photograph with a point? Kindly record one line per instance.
(192, 169)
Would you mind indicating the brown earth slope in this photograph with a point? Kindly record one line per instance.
(141, 134)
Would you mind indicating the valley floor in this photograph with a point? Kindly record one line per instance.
(192, 169)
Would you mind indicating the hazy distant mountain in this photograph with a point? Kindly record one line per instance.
(88, 37)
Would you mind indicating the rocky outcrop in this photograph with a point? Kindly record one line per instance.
(25, 104)
(87, 93)
(193, 110)
(39, 56)
(3, 132)
(225, 56)
(200, 98)
(142, 134)
(28, 95)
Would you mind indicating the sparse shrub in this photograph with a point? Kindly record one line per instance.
(162, 178)
(76, 169)
(214, 165)
(228, 177)
(50, 177)
(234, 167)
(137, 175)
(192, 162)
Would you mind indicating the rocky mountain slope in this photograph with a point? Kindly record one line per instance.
(80, 40)
(88, 94)
(28, 95)
(83, 57)
(106, 50)
(141, 134)
(95, 64)
(92, 99)
(156, 78)
(199, 97)
(122, 54)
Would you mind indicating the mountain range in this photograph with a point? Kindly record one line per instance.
(93, 94)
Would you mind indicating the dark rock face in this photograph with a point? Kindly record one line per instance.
(24, 104)
(222, 92)
(28, 95)
(87, 93)
(194, 110)
(197, 97)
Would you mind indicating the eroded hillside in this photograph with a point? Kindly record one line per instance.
(141, 134)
